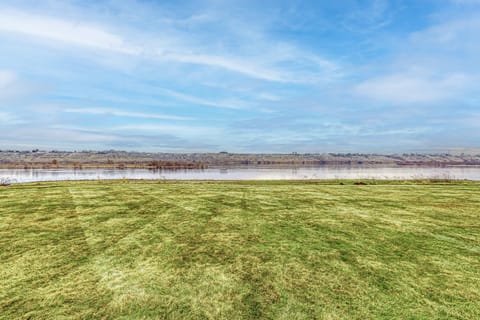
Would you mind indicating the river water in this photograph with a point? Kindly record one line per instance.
(322, 172)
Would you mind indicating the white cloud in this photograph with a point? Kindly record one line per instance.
(432, 65)
(412, 88)
(11, 87)
(5, 117)
(243, 67)
(176, 47)
(178, 130)
(204, 102)
(94, 36)
(368, 18)
(67, 135)
(68, 32)
(454, 34)
(121, 113)
(6, 78)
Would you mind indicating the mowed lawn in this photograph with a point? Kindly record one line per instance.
(239, 250)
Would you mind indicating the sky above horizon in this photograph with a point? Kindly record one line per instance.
(240, 76)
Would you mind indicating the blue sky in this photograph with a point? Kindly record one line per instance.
(242, 76)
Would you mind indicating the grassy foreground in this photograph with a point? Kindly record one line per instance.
(239, 250)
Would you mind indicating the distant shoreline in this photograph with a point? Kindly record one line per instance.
(142, 160)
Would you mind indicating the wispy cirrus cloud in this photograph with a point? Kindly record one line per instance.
(96, 36)
(232, 64)
(67, 32)
(228, 104)
(122, 113)
(369, 17)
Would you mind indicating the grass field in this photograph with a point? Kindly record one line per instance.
(239, 250)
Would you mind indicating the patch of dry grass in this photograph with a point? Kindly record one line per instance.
(239, 250)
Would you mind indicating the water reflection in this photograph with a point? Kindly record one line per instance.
(324, 172)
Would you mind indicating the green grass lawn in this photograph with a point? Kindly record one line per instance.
(239, 250)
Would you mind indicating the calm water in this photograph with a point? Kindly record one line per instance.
(325, 172)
